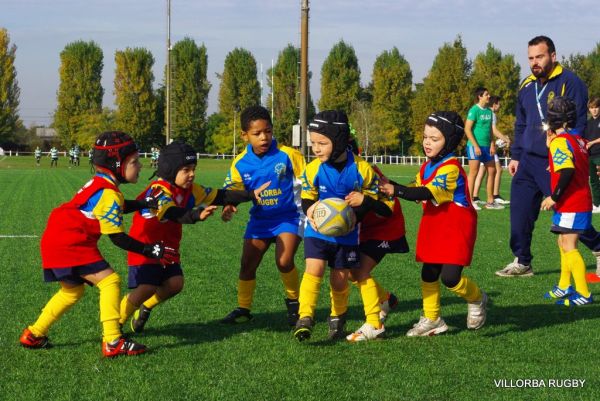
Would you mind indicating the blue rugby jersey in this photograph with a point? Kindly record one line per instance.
(281, 165)
(322, 181)
(529, 137)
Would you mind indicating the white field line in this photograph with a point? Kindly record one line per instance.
(18, 236)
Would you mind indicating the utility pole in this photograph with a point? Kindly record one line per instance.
(168, 86)
(304, 77)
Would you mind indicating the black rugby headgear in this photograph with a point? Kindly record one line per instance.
(110, 151)
(334, 125)
(451, 125)
(172, 158)
(561, 111)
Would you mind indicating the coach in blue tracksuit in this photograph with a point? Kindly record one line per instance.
(529, 163)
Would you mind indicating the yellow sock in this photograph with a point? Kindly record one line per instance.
(246, 293)
(382, 293)
(370, 298)
(467, 289)
(431, 299)
(565, 272)
(126, 310)
(152, 301)
(577, 267)
(110, 294)
(339, 301)
(309, 294)
(61, 302)
(291, 283)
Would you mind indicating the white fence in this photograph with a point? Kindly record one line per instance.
(374, 159)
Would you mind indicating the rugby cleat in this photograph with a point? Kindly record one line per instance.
(427, 327)
(303, 328)
(28, 340)
(292, 306)
(139, 319)
(515, 269)
(336, 327)
(477, 313)
(238, 315)
(122, 346)
(576, 299)
(366, 333)
(558, 293)
(387, 306)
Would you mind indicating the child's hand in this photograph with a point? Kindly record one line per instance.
(227, 213)
(260, 189)
(153, 200)
(548, 203)
(207, 212)
(354, 199)
(386, 189)
(309, 215)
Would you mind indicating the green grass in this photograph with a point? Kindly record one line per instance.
(193, 357)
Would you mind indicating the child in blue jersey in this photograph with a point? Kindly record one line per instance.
(337, 173)
(276, 217)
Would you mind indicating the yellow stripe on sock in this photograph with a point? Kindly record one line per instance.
(246, 293)
(382, 293)
(565, 271)
(577, 267)
(152, 302)
(110, 297)
(431, 299)
(60, 303)
(309, 295)
(370, 298)
(126, 309)
(339, 301)
(291, 283)
(467, 289)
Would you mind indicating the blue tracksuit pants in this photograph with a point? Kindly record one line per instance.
(530, 185)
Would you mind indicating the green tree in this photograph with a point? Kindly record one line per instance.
(9, 88)
(239, 84)
(501, 76)
(189, 92)
(392, 93)
(446, 87)
(215, 124)
(134, 95)
(239, 89)
(80, 91)
(91, 124)
(340, 78)
(284, 81)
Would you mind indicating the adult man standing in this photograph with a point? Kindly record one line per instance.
(529, 154)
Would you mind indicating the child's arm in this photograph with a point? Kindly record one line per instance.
(404, 192)
(165, 254)
(151, 201)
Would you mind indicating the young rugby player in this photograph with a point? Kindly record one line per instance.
(337, 173)
(571, 200)
(276, 218)
(181, 201)
(70, 253)
(449, 225)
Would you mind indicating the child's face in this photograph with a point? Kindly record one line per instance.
(185, 176)
(132, 168)
(322, 146)
(595, 111)
(259, 135)
(433, 141)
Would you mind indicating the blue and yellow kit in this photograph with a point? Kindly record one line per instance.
(279, 207)
(322, 180)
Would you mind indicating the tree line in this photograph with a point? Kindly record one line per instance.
(387, 114)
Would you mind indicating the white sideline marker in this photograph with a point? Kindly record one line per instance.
(18, 236)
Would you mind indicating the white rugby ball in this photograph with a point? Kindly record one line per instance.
(333, 217)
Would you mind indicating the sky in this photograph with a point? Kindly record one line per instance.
(418, 28)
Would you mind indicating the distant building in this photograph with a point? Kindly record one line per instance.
(45, 133)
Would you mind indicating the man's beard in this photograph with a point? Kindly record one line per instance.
(543, 72)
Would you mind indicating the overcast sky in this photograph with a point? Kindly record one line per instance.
(41, 29)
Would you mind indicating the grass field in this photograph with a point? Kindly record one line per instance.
(193, 357)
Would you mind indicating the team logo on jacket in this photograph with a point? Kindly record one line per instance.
(550, 96)
(280, 170)
(559, 157)
(440, 181)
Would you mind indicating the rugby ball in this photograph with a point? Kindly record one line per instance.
(333, 217)
(500, 143)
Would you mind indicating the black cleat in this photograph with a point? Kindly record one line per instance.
(238, 315)
(303, 328)
(139, 319)
(336, 327)
(292, 311)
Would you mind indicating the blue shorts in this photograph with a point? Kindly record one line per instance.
(152, 274)
(571, 222)
(338, 256)
(72, 275)
(485, 157)
(270, 229)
